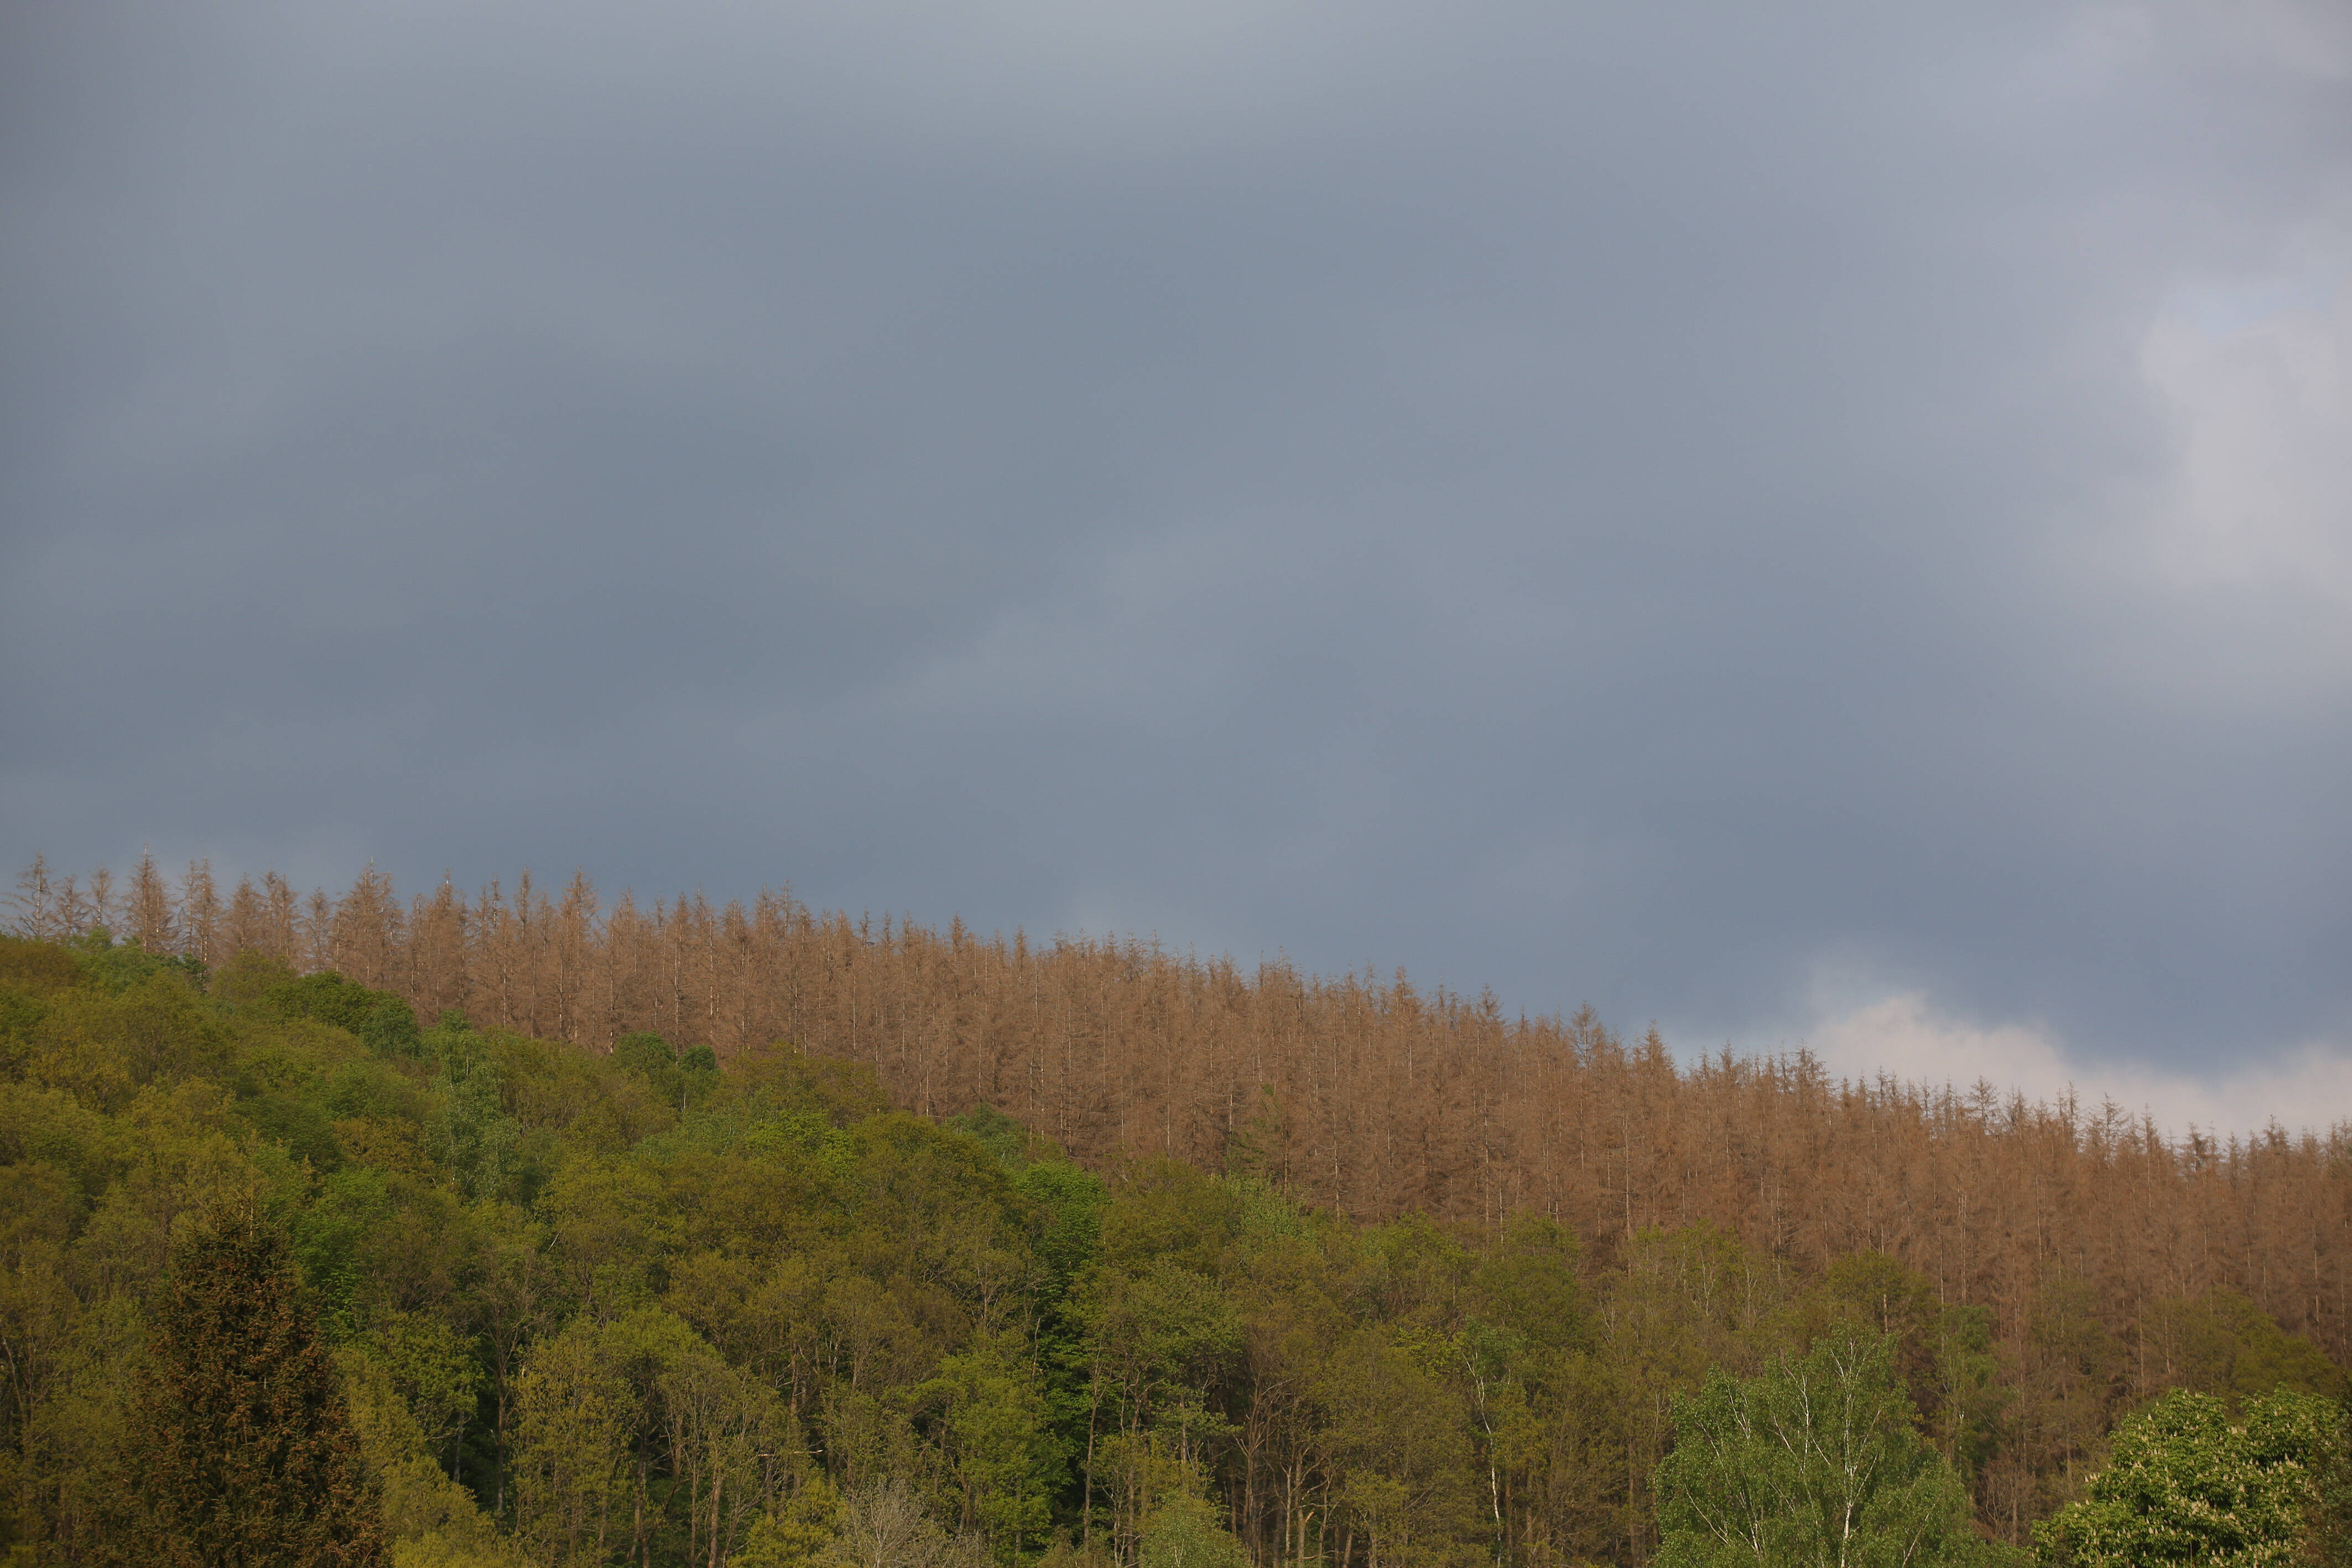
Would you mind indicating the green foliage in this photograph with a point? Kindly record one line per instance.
(21, 1013)
(798, 1532)
(576, 1412)
(380, 1020)
(38, 968)
(1068, 1204)
(470, 1133)
(1399, 1434)
(116, 967)
(430, 1520)
(2222, 1343)
(997, 1132)
(1813, 1462)
(239, 1441)
(2328, 1543)
(1966, 1396)
(2184, 1485)
(648, 1054)
(641, 1307)
(103, 1045)
(986, 1409)
(1530, 1285)
(1185, 1532)
(390, 1030)
(429, 1365)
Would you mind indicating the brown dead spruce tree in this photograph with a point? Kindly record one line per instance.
(241, 1447)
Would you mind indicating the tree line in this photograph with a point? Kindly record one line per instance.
(2045, 1270)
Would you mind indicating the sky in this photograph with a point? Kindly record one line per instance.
(1822, 526)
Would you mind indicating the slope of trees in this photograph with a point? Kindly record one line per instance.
(1363, 1273)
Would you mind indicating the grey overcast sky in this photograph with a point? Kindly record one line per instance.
(1823, 524)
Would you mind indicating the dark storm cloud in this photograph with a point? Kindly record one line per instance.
(1655, 507)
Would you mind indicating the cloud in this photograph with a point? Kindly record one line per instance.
(2257, 376)
(2308, 1088)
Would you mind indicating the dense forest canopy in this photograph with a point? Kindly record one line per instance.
(681, 1234)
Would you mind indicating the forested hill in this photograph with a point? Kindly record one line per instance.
(1372, 1098)
(625, 1253)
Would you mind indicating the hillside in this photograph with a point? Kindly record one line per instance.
(1283, 1244)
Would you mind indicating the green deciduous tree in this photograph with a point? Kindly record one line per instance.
(798, 1532)
(987, 1413)
(1814, 1463)
(2222, 1343)
(1185, 1532)
(430, 1520)
(576, 1416)
(2183, 1485)
(1396, 1435)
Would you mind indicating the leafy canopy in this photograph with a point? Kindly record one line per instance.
(1815, 1463)
(2183, 1485)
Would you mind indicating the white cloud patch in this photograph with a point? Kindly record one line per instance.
(2257, 373)
(1905, 1035)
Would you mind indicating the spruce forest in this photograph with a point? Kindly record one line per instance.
(523, 1226)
